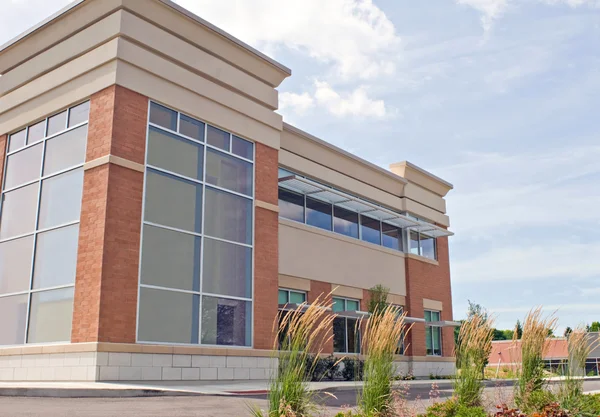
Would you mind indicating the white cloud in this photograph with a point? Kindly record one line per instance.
(550, 309)
(355, 102)
(490, 10)
(353, 35)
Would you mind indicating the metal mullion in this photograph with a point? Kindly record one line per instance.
(37, 142)
(37, 223)
(9, 239)
(57, 287)
(226, 297)
(62, 171)
(13, 294)
(60, 226)
(179, 290)
(202, 240)
(173, 229)
(175, 174)
(229, 191)
(25, 184)
(253, 239)
(181, 135)
(247, 245)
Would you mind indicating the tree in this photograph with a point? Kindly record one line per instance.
(508, 334)
(499, 335)
(568, 331)
(378, 300)
(519, 329)
(550, 333)
(594, 327)
(477, 310)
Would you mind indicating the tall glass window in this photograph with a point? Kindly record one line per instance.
(345, 222)
(318, 213)
(346, 334)
(196, 272)
(433, 334)
(39, 228)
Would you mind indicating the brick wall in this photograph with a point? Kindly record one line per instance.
(266, 248)
(425, 280)
(105, 304)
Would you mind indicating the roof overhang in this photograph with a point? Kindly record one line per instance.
(444, 323)
(322, 192)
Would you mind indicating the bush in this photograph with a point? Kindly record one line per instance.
(539, 400)
(452, 408)
(353, 369)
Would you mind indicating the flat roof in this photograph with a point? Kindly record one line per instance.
(168, 3)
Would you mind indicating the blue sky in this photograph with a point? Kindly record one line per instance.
(499, 97)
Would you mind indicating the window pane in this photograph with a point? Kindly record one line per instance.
(227, 269)
(66, 150)
(435, 316)
(370, 230)
(162, 116)
(242, 147)
(392, 236)
(282, 297)
(50, 316)
(226, 322)
(414, 243)
(168, 316)
(228, 216)
(428, 247)
(352, 305)
(79, 114)
(172, 201)
(12, 332)
(345, 222)
(16, 141)
(427, 315)
(170, 259)
(61, 199)
(428, 343)
(437, 346)
(291, 205)
(15, 265)
(36, 132)
(173, 153)
(318, 214)
(23, 166)
(191, 127)
(57, 123)
(228, 172)
(339, 335)
(282, 173)
(352, 331)
(56, 257)
(19, 211)
(297, 297)
(338, 304)
(217, 137)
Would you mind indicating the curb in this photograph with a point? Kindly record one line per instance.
(91, 393)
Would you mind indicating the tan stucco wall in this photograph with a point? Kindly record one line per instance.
(432, 305)
(311, 253)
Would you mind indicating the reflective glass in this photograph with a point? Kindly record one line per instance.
(36, 132)
(228, 216)
(168, 316)
(318, 213)
(242, 147)
(352, 332)
(414, 243)
(191, 127)
(282, 297)
(172, 201)
(56, 257)
(391, 236)
(227, 269)
(228, 172)
(427, 315)
(345, 222)
(12, 332)
(370, 230)
(428, 341)
(217, 137)
(297, 297)
(338, 304)
(170, 259)
(57, 123)
(23, 166)
(15, 264)
(19, 211)
(291, 205)
(428, 247)
(352, 305)
(50, 316)
(173, 153)
(60, 201)
(339, 335)
(66, 150)
(162, 116)
(16, 140)
(79, 114)
(226, 322)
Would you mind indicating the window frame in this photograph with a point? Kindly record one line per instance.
(358, 333)
(438, 329)
(202, 235)
(40, 181)
(289, 291)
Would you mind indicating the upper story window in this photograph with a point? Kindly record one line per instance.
(291, 297)
(309, 209)
(346, 334)
(39, 227)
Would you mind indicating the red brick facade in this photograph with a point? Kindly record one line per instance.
(322, 289)
(105, 304)
(426, 280)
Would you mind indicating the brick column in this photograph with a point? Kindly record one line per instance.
(266, 246)
(426, 280)
(106, 286)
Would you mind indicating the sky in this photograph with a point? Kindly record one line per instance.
(499, 97)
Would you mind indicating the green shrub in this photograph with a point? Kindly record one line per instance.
(353, 369)
(538, 400)
(452, 408)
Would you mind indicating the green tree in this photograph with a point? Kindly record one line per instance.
(378, 300)
(568, 331)
(499, 335)
(594, 327)
(508, 334)
(519, 329)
